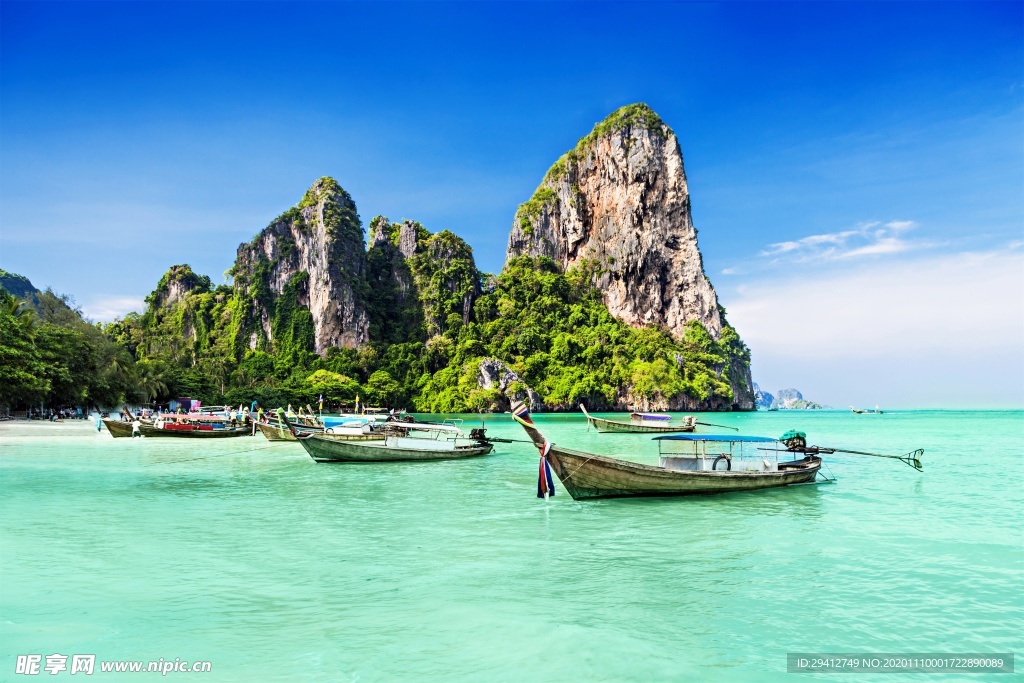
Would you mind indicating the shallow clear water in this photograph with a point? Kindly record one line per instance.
(251, 556)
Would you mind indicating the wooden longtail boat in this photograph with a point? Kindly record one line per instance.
(173, 427)
(440, 442)
(641, 423)
(704, 465)
(275, 431)
(193, 430)
(118, 428)
(278, 431)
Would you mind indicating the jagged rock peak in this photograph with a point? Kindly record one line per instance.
(380, 231)
(404, 237)
(177, 282)
(317, 247)
(619, 203)
(407, 262)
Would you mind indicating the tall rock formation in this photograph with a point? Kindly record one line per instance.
(606, 246)
(421, 284)
(395, 313)
(762, 399)
(175, 285)
(619, 200)
(618, 205)
(311, 257)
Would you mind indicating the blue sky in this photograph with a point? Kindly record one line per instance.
(856, 167)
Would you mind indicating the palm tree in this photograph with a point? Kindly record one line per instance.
(149, 381)
(120, 364)
(23, 314)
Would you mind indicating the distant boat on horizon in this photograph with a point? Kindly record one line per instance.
(640, 423)
(867, 411)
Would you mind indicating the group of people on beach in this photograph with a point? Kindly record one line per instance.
(56, 414)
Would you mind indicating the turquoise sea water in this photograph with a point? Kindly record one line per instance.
(273, 568)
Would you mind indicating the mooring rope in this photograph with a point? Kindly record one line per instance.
(207, 457)
(569, 476)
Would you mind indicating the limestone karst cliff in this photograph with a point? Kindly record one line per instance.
(313, 257)
(619, 199)
(602, 300)
(618, 205)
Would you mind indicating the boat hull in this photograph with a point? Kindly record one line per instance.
(220, 433)
(373, 448)
(614, 426)
(632, 427)
(587, 476)
(118, 428)
(276, 432)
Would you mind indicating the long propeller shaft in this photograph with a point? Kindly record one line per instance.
(711, 424)
(912, 458)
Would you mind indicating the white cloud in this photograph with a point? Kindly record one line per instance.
(937, 331)
(106, 308)
(730, 271)
(954, 302)
(870, 238)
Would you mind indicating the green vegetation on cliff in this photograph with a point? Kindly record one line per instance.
(431, 326)
(625, 118)
(433, 318)
(553, 329)
(631, 116)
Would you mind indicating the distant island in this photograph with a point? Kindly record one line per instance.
(784, 399)
(603, 300)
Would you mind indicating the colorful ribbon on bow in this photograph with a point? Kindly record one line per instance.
(545, 484)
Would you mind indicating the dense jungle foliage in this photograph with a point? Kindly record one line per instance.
(550, 327)
(51, 357)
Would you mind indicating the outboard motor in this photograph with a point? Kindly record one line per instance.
(794, 440)
(479, 435)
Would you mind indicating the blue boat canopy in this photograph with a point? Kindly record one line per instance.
(715, 437)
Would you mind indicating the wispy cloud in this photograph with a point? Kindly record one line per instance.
(731, 271)
(106, 308)
(870, 238)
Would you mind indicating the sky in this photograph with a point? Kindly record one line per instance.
(856, 170)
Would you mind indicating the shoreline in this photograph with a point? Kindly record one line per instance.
(24, 427)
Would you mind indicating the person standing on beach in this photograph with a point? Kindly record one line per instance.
(136, 431)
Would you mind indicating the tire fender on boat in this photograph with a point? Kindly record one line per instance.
(728, 463)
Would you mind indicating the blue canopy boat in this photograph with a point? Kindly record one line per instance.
(689, 464)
